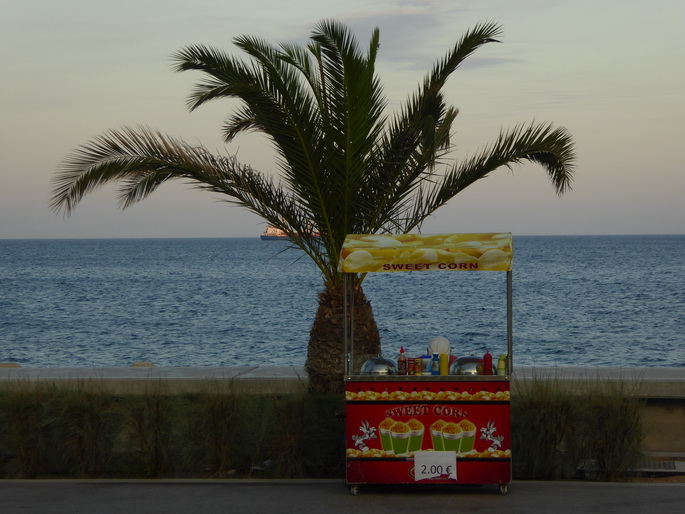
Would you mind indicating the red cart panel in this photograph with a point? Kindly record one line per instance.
(387, 423)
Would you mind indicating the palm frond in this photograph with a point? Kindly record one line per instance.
(344, 165)
(140, 160)
(552, 148)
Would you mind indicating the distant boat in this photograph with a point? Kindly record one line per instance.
(271, 233)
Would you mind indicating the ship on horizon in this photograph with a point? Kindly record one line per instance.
(272, 233)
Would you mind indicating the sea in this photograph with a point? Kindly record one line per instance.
(577, 300)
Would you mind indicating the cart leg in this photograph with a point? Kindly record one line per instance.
(354, 489)
(503, 489)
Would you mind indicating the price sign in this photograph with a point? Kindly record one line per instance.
(442, 465)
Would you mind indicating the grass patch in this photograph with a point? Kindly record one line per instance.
(84, 431)
(590, 431)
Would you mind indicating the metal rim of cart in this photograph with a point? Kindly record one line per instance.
(372, 253)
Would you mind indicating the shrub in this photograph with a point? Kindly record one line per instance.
(147, 435)
(86, 422)
(26, 413)
(84, 431)
(558, 432)
(612, 429)
(544, 419)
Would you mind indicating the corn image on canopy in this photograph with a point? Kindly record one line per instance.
(365, 253)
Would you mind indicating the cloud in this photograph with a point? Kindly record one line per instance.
(414, 35)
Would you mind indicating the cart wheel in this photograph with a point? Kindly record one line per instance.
(354, 489)
(503, 489)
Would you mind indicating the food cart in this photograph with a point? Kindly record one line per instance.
(426, 429)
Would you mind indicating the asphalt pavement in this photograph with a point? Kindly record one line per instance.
(330, 496)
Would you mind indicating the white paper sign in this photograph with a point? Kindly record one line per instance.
(442, 465)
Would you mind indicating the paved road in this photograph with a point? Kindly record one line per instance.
(329, 497)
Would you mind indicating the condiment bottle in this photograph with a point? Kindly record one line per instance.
(435, 364)
(444, 364)
(502, 364)
(426, 365)
(479, 367)
(418, 365)
(487, 363)
(402, 362)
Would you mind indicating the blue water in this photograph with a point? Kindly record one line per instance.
(595, 301)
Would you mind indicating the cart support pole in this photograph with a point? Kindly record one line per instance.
(510, 324)
(348, 325)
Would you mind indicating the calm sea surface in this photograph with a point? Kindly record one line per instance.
(594, 301)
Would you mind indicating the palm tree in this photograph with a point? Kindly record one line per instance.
(346, 166)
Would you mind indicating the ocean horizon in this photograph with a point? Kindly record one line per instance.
(613, 300)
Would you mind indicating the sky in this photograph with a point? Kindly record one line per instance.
(611, 71)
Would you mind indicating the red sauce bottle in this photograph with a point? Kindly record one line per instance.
(402, 362)
(487, 363)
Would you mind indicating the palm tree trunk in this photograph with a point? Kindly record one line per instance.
(326, 352)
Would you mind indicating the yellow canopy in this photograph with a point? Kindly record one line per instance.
(365, 253)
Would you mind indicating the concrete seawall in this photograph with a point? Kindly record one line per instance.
(663, 389)
(137, 380)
